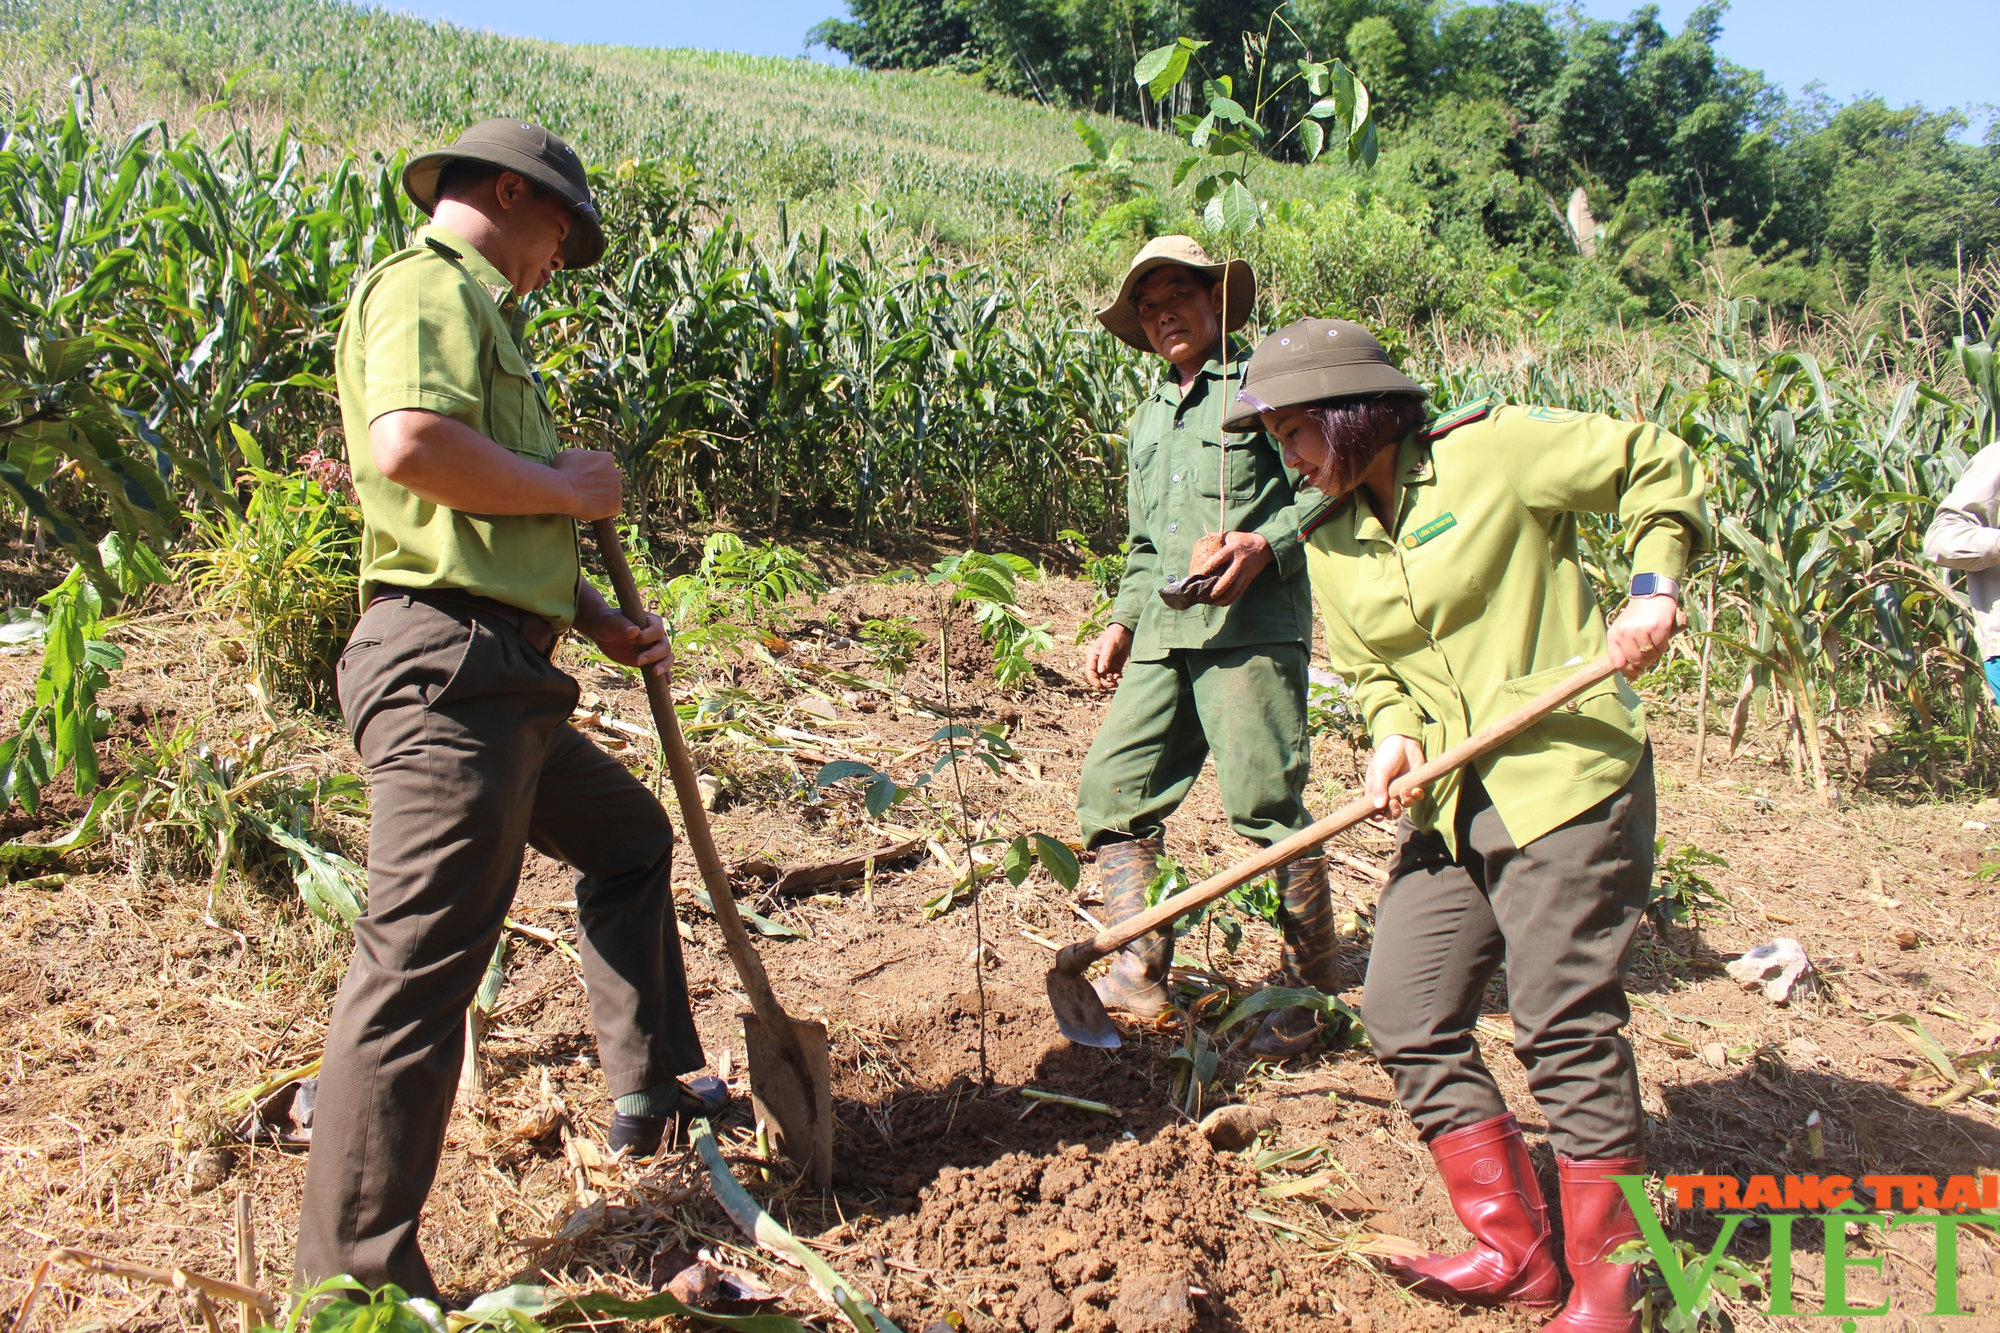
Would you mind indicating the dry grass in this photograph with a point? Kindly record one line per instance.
(133, 1023)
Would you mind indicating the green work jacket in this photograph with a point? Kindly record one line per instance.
(1476, 600)
(1173, 488)
(435, 326)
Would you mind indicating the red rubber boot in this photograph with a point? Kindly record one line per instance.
(1495, 1194)
(1596, 1221)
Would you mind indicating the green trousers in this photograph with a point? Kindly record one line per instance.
(1247, 705)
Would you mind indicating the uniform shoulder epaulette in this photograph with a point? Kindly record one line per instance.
(443, 249)
(1455, 418)
(1318, 515)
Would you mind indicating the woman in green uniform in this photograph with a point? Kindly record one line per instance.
(1446, 564)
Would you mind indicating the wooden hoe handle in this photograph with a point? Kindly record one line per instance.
(749, 967)
(1075, 957)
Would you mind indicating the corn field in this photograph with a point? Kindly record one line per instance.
(168, 312)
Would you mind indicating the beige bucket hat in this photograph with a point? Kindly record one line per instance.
(1122, 317)
(1310, 362)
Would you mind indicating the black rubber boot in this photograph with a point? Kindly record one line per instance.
(1311, 955)
(641, 1135)
(1137, 981)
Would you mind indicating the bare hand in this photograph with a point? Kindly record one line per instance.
(1104, 665)
(1248, 554)
(644, 646)
(596, 485)
(1640, 635)
(1395, 756)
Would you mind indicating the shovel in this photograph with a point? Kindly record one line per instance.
(1080, 1014)
(790, 1083)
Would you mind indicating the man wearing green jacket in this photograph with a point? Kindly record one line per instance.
(470, 576)
(1225, 673)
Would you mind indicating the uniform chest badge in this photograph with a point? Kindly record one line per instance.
(1436, 527)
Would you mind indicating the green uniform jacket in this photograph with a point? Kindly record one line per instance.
(1174, 467)
(1477, 601)
(435, 326)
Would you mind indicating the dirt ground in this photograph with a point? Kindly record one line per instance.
(130, 1022)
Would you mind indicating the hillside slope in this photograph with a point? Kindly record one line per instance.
(976, 168)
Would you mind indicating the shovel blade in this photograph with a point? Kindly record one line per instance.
(798, 1114)
(1079, 1013)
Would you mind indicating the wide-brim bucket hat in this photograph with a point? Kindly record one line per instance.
(1310, 362)
(519, 146)
(1240, 286)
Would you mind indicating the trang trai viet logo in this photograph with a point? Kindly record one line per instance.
(1831, 1200)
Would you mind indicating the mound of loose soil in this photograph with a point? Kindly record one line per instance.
(1147, 1236)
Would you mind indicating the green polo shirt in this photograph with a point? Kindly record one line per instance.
(435, 326)
(1175, 475)
(1476, 600)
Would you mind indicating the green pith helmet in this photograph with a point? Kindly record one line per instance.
(1310, 362)
(533, 152)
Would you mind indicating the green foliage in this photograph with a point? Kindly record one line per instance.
(1728, 1279)
(891, 643)
(1106, 572)
(736, 592)
(987, 582)
(235, 805)
(61, 728)
(1682, 894)
(1231, 138)
(284, 572)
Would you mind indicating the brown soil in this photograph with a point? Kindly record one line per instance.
(130, 1022)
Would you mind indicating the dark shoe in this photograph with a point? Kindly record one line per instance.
(1495, 1194)
(641, 1135)
(1311, 957)
(1137, 981)
(1596, 1221)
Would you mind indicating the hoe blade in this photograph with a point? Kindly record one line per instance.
(1079, 1013)
(798, 1113)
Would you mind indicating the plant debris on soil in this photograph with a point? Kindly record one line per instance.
(134, 1029)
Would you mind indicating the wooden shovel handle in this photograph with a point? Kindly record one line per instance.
(1075, 957)
(749, 967)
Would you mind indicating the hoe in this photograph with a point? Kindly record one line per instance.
(1080, 1014)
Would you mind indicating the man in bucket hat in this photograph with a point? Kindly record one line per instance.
(1218, 666)
(469, 576)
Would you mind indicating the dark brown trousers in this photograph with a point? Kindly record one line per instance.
(465, 732)
(1562, 913)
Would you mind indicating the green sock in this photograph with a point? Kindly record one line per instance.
(658, 1100)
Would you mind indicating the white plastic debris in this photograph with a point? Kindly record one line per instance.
(1776, 966)
(1974, 825)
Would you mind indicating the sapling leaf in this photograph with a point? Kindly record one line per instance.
(1058, 860)
(839, 769)
(1314, 137)
(1018, 861)
(882, 793)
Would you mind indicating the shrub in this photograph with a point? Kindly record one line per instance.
(285, 575)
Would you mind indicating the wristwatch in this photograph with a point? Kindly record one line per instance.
(1655, 585)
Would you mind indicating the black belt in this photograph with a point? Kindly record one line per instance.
(536, 632)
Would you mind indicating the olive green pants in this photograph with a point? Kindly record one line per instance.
(1562, 914)
(1247, 705)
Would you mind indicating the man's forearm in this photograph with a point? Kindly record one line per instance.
(449, 463)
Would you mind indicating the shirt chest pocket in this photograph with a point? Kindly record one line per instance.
(1246, 463)
(517, 415)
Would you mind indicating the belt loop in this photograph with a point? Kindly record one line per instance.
(406, 601)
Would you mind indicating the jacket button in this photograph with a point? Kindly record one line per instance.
(1173, 527)
(1177, 476)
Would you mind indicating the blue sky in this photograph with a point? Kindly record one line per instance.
(1929, 51)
